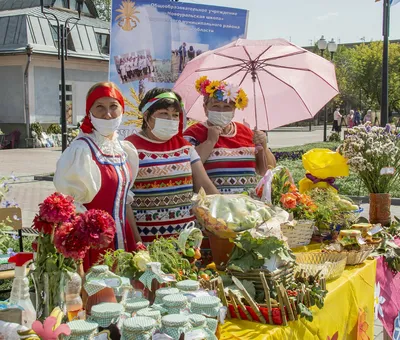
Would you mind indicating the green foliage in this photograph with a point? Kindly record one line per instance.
(250, 253)
(307, 147)
(360, 69)
(54, 129)
(103, 8)
(334, 137)
(37, 128)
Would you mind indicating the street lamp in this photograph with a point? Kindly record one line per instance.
(322, 44)
(62, 29)
(332, 48)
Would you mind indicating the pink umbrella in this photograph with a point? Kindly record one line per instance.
(285, 83)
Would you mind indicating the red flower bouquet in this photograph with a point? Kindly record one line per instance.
(64, 239)
(57, 208)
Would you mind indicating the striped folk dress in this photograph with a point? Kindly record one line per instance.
(163, 188)
(232, 164)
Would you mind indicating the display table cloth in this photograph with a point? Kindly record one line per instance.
(348, 313)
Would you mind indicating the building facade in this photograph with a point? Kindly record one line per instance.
(30, 89)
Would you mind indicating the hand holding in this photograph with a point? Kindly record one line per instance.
(213, 133)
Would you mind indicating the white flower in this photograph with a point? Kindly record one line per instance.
(379, 301)
(230, 92)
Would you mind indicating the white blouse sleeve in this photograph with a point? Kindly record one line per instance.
(133, 160)
(77, 174)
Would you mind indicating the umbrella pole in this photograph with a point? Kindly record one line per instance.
(254, 77)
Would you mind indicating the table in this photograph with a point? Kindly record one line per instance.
(348, 311)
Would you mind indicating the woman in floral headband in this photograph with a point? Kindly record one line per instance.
(98, 170)
(169, 168)
(232, 154)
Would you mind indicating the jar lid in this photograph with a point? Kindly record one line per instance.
(82, 327)
(175, 300)
(139, 324)
(99, 269)
(107, 310)
(205, 302)
(175, 320)
(133, 305)
(150, 313)
(188, 285)
(197, 320)
(166, 291)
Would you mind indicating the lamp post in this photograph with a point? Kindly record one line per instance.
(322, 45)
(62, 29)
(28, 51)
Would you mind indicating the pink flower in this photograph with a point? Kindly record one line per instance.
(42, 226)
(98, 227)
(57, 208)
(69, 239)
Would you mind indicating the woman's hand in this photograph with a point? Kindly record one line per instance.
(140, 246)
(214, 133)
(259, 138)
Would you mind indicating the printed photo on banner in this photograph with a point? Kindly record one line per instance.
(153, 40)
(134, 66)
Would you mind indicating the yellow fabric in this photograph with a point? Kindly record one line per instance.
(322, 163)
(348, 297)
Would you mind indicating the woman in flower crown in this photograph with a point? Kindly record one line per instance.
(98, 170)
(232, 153)
(169, 168)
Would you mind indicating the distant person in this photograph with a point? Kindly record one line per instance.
(198, 52)
(191, 53)
(350, 119)
(368, 116)
(357, 118)
(182, 56)
(337, 117)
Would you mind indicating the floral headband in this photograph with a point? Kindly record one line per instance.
(222, 91)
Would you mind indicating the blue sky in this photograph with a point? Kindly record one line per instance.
(304, 20)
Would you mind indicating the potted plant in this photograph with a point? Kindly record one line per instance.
(374, 154)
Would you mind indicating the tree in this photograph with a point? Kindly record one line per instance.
(103, 9)
(360, 68)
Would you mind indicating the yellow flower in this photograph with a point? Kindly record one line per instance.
(210, 89)
(241, 100)
(199, 82)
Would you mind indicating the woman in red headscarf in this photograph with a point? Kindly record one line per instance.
(98, 170)
(169, 168)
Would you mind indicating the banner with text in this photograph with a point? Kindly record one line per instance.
(152, 41)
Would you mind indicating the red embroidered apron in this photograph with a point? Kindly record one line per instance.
(116, 180)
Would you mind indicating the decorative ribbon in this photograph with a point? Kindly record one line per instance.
(328, 180)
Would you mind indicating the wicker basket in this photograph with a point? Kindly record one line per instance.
(282, 274)
(329, 265)
(300, 234)
(355, 257)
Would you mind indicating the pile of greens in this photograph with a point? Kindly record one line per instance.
(250, 253)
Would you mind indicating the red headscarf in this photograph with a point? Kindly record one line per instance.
(99, 92)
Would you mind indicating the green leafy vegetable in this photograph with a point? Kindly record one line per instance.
(250, 253)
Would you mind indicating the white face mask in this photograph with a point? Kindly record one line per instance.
(106, 127)
(165, 129)
(221, 119)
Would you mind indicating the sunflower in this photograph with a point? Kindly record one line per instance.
(241, 100)
(199, 82)
(212, 87)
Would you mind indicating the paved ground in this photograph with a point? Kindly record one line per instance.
(25, 163)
